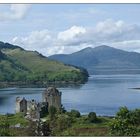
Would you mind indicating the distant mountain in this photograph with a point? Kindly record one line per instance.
(17, 64)
(103, 60)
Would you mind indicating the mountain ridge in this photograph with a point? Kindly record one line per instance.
(101, 57)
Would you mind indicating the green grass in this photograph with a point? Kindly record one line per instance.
(14, 119)
(81, 127)
(11, 120)
(35, 62)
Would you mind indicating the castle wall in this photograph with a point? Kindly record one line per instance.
(17, 107)
(51, 97)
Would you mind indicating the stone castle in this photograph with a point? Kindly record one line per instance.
(53, 97)
(32, 109)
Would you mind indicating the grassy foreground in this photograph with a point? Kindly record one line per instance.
(62, 123)
(17, 125)
(82, 127)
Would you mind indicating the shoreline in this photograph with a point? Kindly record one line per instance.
(39, 84)
(135, 88)
(106, 116)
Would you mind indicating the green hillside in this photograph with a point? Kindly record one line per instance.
(17, 64)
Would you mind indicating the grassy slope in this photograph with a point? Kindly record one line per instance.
(32, 66)
(35, 62)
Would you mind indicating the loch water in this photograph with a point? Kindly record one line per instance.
(103, 94)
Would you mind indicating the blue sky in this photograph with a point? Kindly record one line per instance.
(66, 28)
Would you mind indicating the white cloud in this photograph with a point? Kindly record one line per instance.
(71, 36)
(129, 45)
(109, 32)
(71, 33)
(40, 41)
(113, 33)
(16, 11)
(117, 34)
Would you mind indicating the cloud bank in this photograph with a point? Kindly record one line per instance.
(117, 34)
(15, 12)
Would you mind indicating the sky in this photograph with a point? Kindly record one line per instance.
(67, 28)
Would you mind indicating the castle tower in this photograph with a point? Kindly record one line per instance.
(21, 105)
(52, 97)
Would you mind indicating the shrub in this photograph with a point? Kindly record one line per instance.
(4, 126)
(59, 124)
(92, 117)
(63, 110)
(75, 113)
(63, 122)
(122, 113)
(134, 117)
(121, 127)
(125, 123)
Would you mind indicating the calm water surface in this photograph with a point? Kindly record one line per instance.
(103, 94)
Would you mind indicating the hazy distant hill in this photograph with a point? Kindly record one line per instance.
(17, 64)
(103, 60)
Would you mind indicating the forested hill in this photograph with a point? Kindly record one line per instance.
(17, 64)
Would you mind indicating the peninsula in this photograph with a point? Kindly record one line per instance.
(19, 66)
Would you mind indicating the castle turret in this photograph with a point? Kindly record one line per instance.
(53, 97)
(21, 105)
